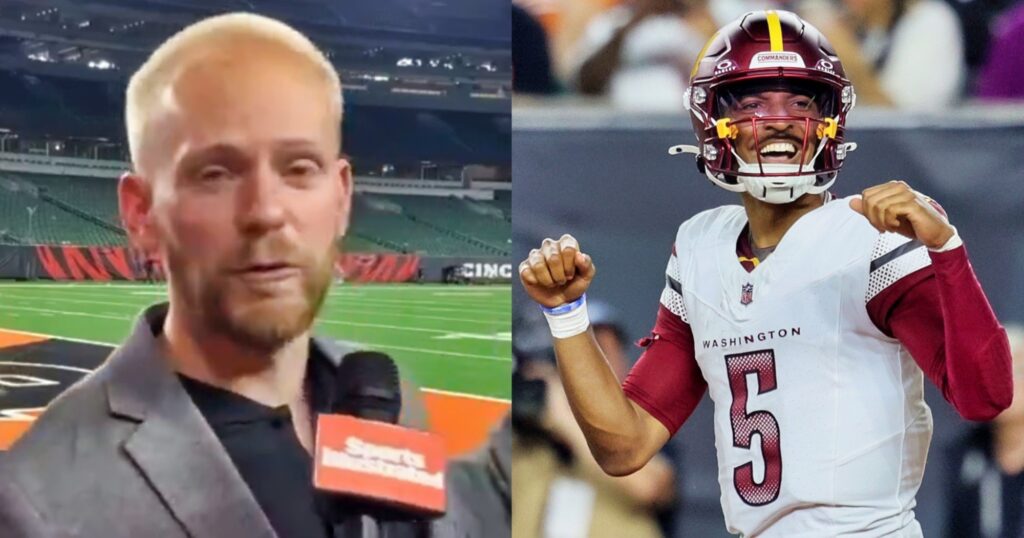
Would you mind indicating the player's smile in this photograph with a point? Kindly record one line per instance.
(779, 150)
(775, 145)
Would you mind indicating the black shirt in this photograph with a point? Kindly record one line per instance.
(262, 443)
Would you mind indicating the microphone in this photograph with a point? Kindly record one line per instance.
(368, 463)
(367, 387)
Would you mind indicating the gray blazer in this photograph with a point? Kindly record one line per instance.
(18, 518)
(124, 453)
(480, 486)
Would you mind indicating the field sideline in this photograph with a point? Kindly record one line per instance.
(454, 341)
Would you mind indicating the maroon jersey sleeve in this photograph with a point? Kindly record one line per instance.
(942, 316)
(666, 380)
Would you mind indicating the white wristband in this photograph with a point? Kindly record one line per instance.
(952, 243)
(568, 319)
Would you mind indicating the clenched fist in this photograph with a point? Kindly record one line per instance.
(557, 273)
(895, 207)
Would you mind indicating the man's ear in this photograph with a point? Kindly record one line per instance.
(135, 202)
(345, 201)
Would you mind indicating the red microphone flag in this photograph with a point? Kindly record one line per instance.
(380, 461)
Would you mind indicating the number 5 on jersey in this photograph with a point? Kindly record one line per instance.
(745, 425)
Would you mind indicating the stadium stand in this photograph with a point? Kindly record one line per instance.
(503, 201)
(28, 215)
(427, 96)
(96, 197)
(392, 221)
(474, 222)
(83, 211)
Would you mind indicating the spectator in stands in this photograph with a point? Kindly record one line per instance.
(531, 56)
(1002, 75)
(568, 495)
(903, 53)
(567, 21)
(986, 475)
(135, 256)
(978, 20)
(149, 265)
(640, 52)
(611, 336)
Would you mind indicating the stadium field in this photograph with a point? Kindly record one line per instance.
(454, 341)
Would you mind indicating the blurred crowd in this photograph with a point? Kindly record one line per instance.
(567, 494)
(917, 55)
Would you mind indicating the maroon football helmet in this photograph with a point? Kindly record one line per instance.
(769, 50)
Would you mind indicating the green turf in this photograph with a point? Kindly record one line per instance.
(445, 337)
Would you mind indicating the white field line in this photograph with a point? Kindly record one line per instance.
(20, 415)
(365, 344)
(328, 321)
(54, 336)
(139, 306)
(362, 293)
(44, 365)
(334, 288)
(336, 299)
(368, 345)
(46, 311)
(378, 302)
(145, 289)
(396, 327)
(108, 344)
(462, 395)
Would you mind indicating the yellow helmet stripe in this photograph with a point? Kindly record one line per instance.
(700, 55)
(774, 30)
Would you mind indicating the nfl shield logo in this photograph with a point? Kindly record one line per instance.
(746, 294)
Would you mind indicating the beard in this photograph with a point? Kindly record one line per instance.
(264, 320)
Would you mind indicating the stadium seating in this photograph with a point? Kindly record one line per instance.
(384, 220)
(48, 222)
(93, 195)
(474, 222)
(83, 211)
(503, 201)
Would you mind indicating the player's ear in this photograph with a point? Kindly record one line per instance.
(344, 178)
(135, 203)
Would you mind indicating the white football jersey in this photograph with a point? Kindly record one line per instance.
(821, 427)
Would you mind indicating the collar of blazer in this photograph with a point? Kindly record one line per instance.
(173, 446)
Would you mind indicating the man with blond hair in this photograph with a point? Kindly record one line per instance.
(201, 423)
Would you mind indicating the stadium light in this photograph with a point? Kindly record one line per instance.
(101, 64)
(43, 56)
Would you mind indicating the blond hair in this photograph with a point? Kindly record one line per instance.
(152, 78)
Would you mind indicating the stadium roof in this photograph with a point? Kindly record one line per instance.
(423, 79)
(467, 39)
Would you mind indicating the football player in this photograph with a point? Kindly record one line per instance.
(810, 320)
